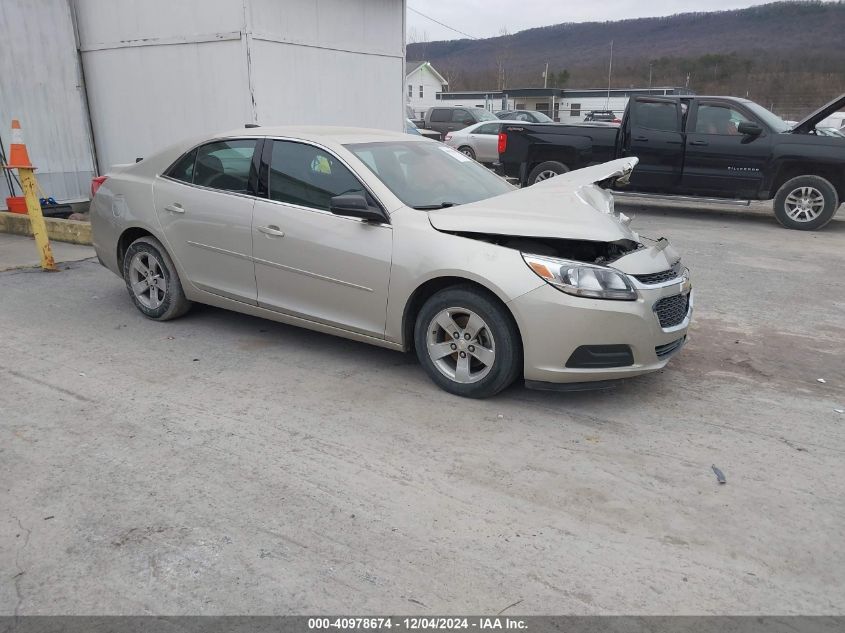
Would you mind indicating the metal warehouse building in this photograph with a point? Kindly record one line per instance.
(100, 82)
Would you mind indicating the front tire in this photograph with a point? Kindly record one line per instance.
(806, 203)
(467, 342)
(546, 170)
(152, 280)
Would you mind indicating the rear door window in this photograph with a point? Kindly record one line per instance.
(308, 176)
(487, 128)
(657, 115)
(225, 165)
(440, 115)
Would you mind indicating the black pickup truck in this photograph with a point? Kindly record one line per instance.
(716, 147)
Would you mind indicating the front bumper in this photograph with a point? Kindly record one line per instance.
(554, 324)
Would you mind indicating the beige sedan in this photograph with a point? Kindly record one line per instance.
(396, 241)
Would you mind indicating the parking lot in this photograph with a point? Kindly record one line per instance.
(224, 464)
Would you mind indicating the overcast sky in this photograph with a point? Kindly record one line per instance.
(485, 18)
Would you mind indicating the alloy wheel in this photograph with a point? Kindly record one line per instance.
(545, 175)
(146, 278)
(461, 345)
(804, 204)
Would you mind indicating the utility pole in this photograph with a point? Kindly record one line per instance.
(546, 76)
(649, 74)
(609, 74)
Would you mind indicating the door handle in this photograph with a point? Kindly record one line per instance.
(640, 138)
(174, 208)
(699, 143)
(271, 230)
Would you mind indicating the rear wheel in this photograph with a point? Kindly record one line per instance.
(467, 342)
(546, 170)
(806, 203)
(152, 280)
(466, 150)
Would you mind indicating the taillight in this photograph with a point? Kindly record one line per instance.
(95, 184)
(448, 136)
(503, 142)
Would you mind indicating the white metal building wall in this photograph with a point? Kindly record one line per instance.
(158, 71)
(41, 85)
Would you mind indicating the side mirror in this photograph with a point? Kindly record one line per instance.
(468, 121)
(354, 205)
(748, 128)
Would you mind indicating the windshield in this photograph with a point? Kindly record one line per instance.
(429, 175)
(542, 118)
(769, 118)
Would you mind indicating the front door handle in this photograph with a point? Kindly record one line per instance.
(640, 138)
(271, 230)
(699, 143)
(174, 208)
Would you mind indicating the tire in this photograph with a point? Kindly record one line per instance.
(546, 170)
(806, 203)
(466, 150)
(168, 300)
(492, 329)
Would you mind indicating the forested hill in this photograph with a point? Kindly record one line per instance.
(790, 55)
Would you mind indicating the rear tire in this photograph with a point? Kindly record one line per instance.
(486, 355)
(152, 280)
(806, 203)
(466, 150)
(546, 170)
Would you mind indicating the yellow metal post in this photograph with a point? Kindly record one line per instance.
(19, 159)
(36, 219)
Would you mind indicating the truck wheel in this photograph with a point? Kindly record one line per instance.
(806, 203)
(544, 171)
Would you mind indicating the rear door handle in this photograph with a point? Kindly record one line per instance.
(271, 230)
(699, 143)
(640, 138)
(174, 208)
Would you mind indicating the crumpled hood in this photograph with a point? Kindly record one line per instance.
(569, 206)
(810, 122)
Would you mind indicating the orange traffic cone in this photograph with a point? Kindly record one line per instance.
(18, 157)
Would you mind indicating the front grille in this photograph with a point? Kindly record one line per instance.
(657, 278)
(671, 311)
(664, 351)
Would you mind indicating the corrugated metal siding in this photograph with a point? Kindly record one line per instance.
(159, 71)
(41, 86)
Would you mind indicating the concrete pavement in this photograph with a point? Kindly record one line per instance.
(18, 251)
(221, 464)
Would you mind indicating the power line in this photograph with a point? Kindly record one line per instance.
(428, 17)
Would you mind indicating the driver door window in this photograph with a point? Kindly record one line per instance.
(225, 165)
(459, 116)
(718, 119)
(308, 176)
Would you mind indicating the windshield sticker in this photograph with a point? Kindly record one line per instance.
(455, 154)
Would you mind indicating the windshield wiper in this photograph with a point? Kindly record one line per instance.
(429, 207)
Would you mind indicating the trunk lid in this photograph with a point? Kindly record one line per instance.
(809, 123)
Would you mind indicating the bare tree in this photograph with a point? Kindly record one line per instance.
(503, 57)
(419, 37)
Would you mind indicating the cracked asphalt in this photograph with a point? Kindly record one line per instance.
(221, 464)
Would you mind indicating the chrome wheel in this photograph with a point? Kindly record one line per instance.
(461, 345)
(545, 175)
(146, 279)
(804, 204)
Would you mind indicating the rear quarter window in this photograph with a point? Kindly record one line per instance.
(183, 169)
(439, 115)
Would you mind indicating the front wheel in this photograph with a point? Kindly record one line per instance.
(152, 280)
(546, 170)
(806, 203)
(467, 342)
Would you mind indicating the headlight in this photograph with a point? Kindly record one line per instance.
(582, 280)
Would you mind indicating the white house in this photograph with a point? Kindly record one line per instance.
(99, 82)
(422, 84)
